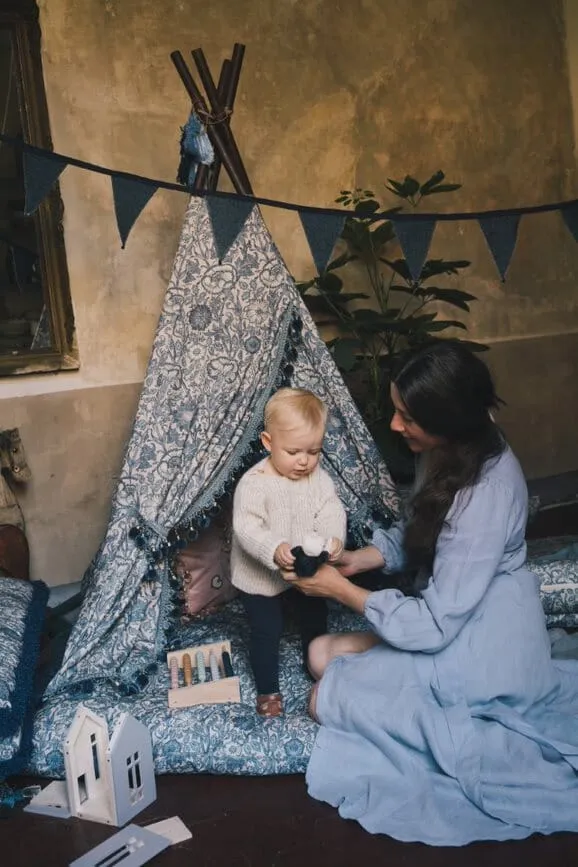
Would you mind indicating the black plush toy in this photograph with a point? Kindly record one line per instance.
(309, 556)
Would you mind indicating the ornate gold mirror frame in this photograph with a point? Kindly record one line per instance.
(51, 325)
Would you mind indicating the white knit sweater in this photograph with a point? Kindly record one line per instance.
(269, 510)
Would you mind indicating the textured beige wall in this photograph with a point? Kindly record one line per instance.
(333, 94)
(74, 445)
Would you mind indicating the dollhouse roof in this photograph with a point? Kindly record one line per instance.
(83, 716)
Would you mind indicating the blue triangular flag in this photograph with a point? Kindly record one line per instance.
(501, 234)
(130, 197)
(40, 174)
(322, 231)
(414, 237)
(228, 216)
(570, 217)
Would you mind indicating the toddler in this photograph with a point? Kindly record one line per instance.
(278, 504)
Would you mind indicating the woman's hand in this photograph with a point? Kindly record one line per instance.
(329, 583)
(362, 560)
(326, 582)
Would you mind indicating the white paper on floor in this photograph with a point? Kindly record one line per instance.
(173, 829)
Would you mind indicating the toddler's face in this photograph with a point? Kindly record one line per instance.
(294, 447)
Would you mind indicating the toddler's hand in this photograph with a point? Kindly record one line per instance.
(335, 550)
(283, 556)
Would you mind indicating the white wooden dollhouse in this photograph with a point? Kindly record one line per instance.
(107, 781)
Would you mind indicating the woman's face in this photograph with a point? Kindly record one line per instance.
(402, 423)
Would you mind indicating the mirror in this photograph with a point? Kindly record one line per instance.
(36, 322)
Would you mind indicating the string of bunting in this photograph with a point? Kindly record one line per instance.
(322, 226)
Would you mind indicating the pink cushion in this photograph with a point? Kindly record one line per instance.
(204, 567)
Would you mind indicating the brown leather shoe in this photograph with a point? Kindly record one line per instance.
(270, 705)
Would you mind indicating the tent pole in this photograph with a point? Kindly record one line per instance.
(228, 83)
(222, 89)
(218, 108)
(215, 133)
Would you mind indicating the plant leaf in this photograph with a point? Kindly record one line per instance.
(382, 235)
(434, 267)
(449, 296)
(395, 187)
(410, 185)
(399, 266)
(304, 287)
(345, 351)
(442, 188)
(340, 261)
(431, 182)
(318, 306)
(475, 347)
(330, 283)
(442, 324)
(367, 207)
(371, 322)
(345, 297)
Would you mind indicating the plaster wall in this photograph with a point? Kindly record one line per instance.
(334, 94)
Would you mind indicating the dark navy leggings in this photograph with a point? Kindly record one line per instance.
(266, 616)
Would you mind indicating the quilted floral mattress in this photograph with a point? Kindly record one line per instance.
(231, 738)
(216, 739)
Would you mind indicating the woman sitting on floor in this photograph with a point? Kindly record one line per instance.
(448, 721)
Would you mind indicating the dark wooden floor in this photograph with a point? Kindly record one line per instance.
(271, 821)
(263, 822)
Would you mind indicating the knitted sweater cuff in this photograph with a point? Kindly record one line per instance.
(269, 553)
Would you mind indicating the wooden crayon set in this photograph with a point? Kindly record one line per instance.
(202, 675)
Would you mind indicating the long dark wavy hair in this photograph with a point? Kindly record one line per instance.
(448, 391)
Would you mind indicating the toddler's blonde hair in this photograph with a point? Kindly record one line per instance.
(297, 401)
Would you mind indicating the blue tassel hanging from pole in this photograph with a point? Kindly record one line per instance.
(196, 149)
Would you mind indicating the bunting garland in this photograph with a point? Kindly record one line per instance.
(322, 232)
(322, 226)
(130, 198)
(414, 241)
(570, 217)
(40, 175)
(501, 234)
(228, 216)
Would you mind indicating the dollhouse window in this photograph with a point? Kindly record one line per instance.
(94, 749)
(134, 778)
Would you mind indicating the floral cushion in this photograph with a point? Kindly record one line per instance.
(23, 604)
(555, 561)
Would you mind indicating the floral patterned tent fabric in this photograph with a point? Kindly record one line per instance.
(230, 333)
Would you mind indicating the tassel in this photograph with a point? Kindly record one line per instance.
(196, 149)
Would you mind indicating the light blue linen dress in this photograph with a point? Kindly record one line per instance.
(459, 726)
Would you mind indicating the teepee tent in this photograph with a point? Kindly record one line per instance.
(233, 329)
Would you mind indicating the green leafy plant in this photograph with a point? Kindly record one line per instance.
(370, 338)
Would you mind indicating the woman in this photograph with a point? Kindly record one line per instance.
(448, 722)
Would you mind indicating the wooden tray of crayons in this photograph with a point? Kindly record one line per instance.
(202, 675)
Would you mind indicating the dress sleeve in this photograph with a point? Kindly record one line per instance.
(330, 519)
(389, 543)
(468, 553)
(251, 524)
